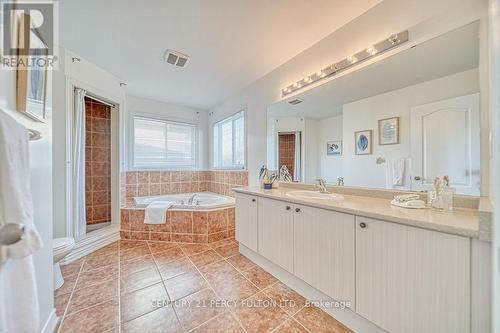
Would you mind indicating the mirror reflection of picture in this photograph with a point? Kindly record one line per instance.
(32, 80)
(363, 142)
(388, 131)
(334, 148)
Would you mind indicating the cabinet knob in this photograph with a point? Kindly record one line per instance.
(253, 200)
(362, 225)
(297, 210)
(288, 207)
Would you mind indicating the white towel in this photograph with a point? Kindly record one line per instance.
(156, 212)
(19, 309)
(398, 172)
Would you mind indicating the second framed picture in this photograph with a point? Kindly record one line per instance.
(388, 131)
(363, 142)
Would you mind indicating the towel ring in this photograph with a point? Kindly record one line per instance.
(34, 135)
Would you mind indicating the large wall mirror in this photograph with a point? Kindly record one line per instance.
(395, 124)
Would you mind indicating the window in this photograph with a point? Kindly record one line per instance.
(163, 144)
(229, 142)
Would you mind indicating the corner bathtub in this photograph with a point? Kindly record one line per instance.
(202, 201)
(211, 218)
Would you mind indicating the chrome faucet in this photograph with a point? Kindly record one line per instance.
(191, 199)
(340, 181)
(321, 186)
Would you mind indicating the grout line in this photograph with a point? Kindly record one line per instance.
(70, 296)
(170, 303)
(119, 289)
(217, 295)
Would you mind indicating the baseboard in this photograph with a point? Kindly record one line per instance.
(51, 323)
(346, 316)
(92, 242)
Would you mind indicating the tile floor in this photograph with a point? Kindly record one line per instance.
(139, 286)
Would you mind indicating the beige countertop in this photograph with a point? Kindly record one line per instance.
(461, 221)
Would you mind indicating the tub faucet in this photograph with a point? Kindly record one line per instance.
(191, 199)
(321, 186)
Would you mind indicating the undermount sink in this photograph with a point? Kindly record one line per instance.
(312, 195)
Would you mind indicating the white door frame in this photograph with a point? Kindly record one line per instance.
(72, 227)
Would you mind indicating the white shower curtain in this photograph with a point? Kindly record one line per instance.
(79, 161)
(298, 157)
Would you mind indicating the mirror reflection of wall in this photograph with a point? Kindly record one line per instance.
(397, 125)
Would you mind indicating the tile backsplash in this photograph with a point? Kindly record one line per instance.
(147, 183)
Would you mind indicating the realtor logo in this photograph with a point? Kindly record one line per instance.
(28, 34)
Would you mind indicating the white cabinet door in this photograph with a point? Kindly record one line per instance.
(445, 141)
(324, 251)
(246, 220)
(276, 232)
(412, 280)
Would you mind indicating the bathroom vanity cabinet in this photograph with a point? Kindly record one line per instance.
(399, 277)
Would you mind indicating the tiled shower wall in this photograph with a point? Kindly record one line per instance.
(97, 161)
(146, 183)
(286, 144)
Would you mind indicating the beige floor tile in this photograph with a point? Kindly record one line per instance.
(174, 268)
(191, 249)
(139, 280)
(198, 308)
(60, 303)
(228, 250)
(259, 277)
(316, 320)
(138, 264)
(140, 302)
(184, 285)
(287, 298)
(159, 321)
(100, 318)
(241, 262)
(224, 323)
(156, 247)
(258, 314)
(96, 276)
(93, 295)
(205, 258)
(68, 285)
(72, 268)
(233, 288)
(291, 326)
(172, 254)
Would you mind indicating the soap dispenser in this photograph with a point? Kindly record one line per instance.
(447, 194)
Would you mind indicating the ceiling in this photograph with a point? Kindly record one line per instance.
(232, 43)
(451, 53)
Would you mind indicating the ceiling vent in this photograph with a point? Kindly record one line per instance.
(295, 101)
(176, 58)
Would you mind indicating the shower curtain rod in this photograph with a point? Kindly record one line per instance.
(95, 98)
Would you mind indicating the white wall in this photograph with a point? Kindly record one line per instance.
(41, 185)
(495, 179)
(361, 170)
(330, 166)
(152, 108)
(422, 18)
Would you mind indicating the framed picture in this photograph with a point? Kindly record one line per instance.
(363, 142)
(334, 148)
(31, 85)
(388, 131)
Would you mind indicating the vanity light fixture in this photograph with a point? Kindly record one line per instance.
(372, 51)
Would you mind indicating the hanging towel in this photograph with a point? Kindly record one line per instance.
(19, 309)
(156, 212)
(398, 172)
(16, 204)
